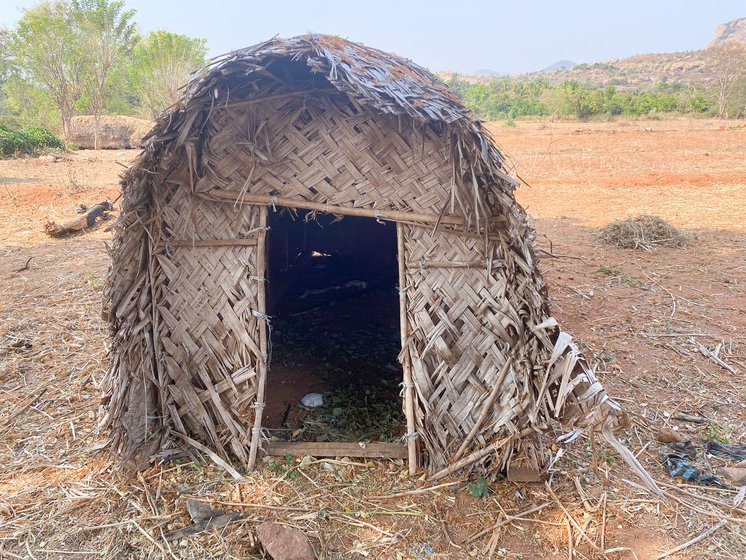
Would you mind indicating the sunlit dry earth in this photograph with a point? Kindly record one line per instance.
(644, 316)
(690, 172)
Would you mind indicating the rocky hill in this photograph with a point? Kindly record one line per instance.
(731, 32)
(639, 72)
(650, 70)
(560, 65)
(646, 71)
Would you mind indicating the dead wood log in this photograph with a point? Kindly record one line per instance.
(88, 220)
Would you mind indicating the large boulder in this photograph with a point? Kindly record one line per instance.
(115, 132)
(733, 32)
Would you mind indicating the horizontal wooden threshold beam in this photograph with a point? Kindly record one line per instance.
(390, 215)
(373, 450)
(214, 242)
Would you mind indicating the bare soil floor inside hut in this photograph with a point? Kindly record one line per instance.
(653, 321)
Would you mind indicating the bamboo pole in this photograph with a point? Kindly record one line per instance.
(214, 242)
(406, 363)
(389, 215)
(157, 343)
(280, 96)
(446, 264)
(261, 271)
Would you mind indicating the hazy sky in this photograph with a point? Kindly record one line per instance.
(461, 35)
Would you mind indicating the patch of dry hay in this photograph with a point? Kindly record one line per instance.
(642, 232)
(115, 131)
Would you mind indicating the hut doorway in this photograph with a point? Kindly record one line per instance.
(334, 310)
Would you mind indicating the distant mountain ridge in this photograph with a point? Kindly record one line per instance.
(644, 71)
(488, 73)
(560, 65)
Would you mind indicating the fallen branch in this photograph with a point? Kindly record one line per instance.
(689, 418)
(25, 266)
(695, 540)
(414, 492)
(707, 353)
(729, 507)
(570, 518)
(88, 220)
(508, 519)
(25, 407)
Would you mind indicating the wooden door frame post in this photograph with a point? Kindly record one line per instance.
(411, 435)
(261, 367)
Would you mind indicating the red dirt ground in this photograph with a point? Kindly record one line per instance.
(646, 317)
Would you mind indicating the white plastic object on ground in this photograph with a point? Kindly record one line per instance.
(312, 400)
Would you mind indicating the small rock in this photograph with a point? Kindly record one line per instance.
(737, 475)
(284, 543)
(666, 435)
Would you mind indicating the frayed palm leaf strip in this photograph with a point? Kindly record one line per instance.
(326, 125)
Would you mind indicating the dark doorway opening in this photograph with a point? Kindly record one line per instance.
(334, 313)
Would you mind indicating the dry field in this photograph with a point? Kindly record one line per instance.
(665, 327)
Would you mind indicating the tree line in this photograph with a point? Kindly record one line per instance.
(722, 95)
(70, 57)
(510, 98)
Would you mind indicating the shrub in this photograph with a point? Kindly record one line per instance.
(28, 141)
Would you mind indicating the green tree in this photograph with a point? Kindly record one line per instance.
(28, 105)
(4, 68)
(107, 35)
(46, 51)
(161, 63)
(728, 63)
(5, 38)
(580, 100)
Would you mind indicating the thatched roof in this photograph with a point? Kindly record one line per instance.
(385, 82)
(321, 123)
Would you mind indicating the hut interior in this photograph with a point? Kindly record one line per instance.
(334, 307)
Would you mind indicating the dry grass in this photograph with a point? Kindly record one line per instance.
(642, 232)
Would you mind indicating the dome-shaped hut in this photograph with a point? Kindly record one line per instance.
(308, 127)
